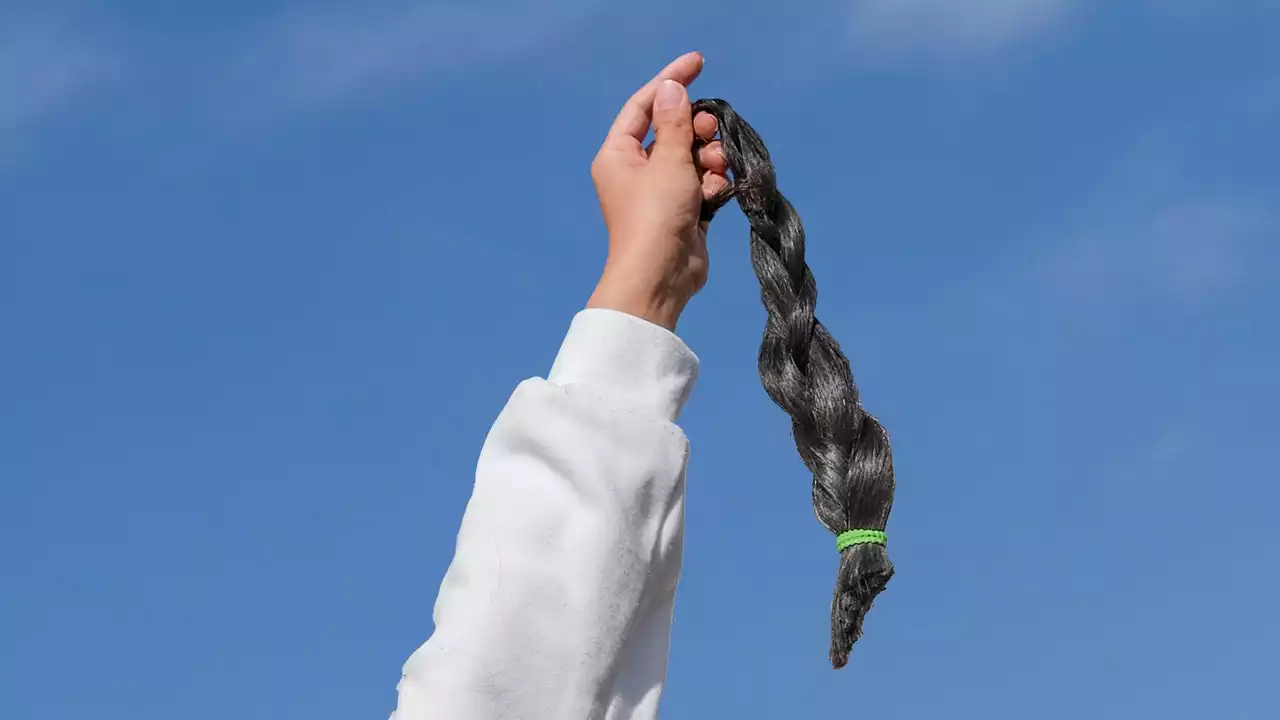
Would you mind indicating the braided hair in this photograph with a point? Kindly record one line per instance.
(805, 373)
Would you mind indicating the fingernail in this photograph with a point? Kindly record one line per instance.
(670, 93)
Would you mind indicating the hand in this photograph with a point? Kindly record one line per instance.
(652, 197)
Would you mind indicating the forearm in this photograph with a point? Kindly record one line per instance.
(558, 602)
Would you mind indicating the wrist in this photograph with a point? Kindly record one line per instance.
(647, 301)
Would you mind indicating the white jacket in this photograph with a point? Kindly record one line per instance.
(558, 602)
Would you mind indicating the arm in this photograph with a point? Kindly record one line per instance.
(558, 603)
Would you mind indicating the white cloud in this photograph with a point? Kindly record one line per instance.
(1199, 249)
(47, 66)
(1191, 253)
(947, 28)
(318, 58)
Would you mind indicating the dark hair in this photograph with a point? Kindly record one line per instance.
(805, 373)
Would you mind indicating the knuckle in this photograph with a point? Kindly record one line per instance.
(600, 166)
(679, 121)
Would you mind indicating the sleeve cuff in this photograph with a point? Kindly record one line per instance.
(624, 356)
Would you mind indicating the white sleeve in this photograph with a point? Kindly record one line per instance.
(558, 602)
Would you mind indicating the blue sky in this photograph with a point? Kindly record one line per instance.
(269, 270)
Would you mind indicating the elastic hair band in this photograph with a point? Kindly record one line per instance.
(850, 538)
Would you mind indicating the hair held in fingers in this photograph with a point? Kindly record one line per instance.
(807, 375)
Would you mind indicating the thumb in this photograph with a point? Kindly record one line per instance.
(672, 124)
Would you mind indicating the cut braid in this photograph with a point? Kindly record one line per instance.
(805, 373)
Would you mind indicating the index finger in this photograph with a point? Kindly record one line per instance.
(706, 126)
(633, 121)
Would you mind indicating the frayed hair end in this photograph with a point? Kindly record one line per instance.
(864, 571)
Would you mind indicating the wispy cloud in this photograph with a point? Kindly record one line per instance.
(1160, 468)
(47, 66)
(1190, 252)
(950, 28)
(321, 58)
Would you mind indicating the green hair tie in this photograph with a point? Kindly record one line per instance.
(846, 540)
